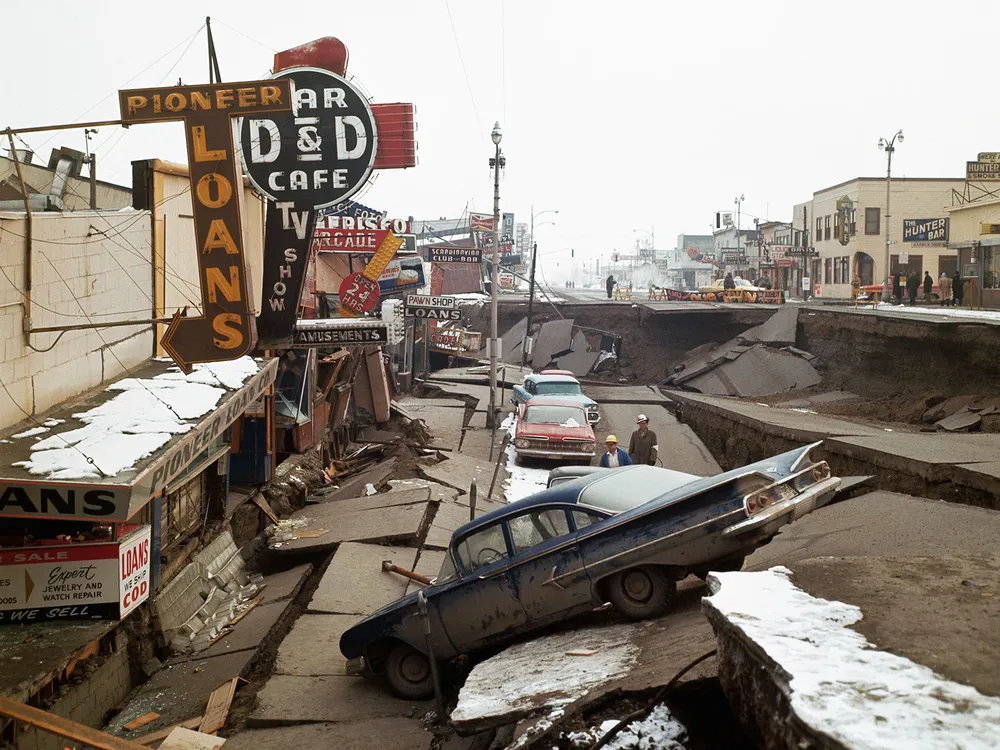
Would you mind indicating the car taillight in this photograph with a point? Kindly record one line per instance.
(817, 473)
(768, 496)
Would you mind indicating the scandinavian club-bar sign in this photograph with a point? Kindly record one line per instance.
(226, 329)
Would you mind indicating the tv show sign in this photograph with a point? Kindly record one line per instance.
(227, 329)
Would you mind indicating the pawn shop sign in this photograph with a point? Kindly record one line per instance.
(226, 330)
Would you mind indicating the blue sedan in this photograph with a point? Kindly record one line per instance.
(624, 536)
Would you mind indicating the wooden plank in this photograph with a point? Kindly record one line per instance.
(262, 503)
(217, 709)
(259, 598)
(141, 721)
(61, 727)
(161, 734)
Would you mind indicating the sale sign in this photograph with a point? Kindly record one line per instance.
(75, 582)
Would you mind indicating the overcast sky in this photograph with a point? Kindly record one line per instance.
(621, 115)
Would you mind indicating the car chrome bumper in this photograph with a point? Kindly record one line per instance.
(536, 453)
(356, 666)
(777, 515)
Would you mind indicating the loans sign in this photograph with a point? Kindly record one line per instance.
(226, 330)
(75, 582)
(428, 307)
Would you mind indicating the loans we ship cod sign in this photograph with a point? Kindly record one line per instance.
(75, 582)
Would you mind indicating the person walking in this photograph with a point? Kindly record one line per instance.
(642, 447)
(912, 287)
(615, 456)
(897, 287)
(957, 288)
(944, 288)
(728, 283)
(928, 286)
(610, 284)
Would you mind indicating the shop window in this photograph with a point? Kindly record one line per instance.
(183, 510)
(293, 386)
(873, 220)
(991, 268)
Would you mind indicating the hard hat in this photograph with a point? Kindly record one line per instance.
(641, 418)
(611, 439)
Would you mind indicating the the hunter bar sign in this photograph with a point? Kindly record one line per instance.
(925, 230)
(226, 330)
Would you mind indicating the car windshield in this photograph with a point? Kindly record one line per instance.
(628, 488)
(448, 570)
(565, 386)
(567, 416)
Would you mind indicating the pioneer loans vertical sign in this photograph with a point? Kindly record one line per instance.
(310, 159)
(226, 330)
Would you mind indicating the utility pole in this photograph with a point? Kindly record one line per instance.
(802, 273)
(91, 160)
(890, 148)
(531, 302)
(496, 163)
(214, 76)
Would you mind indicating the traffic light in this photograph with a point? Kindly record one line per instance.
(572, 253)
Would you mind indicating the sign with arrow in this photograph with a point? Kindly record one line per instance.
(226, 330)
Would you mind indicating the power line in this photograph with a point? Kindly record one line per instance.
(468, 83)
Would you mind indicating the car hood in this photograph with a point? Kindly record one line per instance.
(553, 430)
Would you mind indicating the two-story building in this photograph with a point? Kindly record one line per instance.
(683, 270)
(915, 241)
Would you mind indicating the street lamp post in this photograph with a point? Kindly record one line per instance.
(739, 206)
(531, 281)
(889, 147)
(496, 162)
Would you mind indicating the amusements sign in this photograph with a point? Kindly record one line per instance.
(227, 329)
(315, 335)
(75, 582)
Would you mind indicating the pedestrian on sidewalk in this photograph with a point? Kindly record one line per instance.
(610, 284)
(615, 456)
(728, 283)
(957, 288)
(944, 288)
(928, 286)
(897, 287)
(912, 287)
(643, 447)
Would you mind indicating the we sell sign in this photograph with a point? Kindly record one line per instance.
(75, 582)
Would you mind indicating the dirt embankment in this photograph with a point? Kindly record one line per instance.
(652, 344)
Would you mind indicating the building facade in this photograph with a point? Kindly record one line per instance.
(683, 271)
(915, 202)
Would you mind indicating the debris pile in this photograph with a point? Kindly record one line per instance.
(557, 344)
(963, 414)
(759, 362)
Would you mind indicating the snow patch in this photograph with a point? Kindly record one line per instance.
(842, 685)
(522, 481)
(539, 674)
(53, 422)
(142, 418)
(992, 316)
(30, 433)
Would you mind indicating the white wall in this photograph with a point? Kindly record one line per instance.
(76, 271)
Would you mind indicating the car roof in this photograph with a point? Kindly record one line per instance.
(553, 378)
(554, 401)
(557, 372)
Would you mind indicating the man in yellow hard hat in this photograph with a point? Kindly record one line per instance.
(615, 456)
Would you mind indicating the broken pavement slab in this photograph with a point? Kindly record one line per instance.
(555, 337)
(625, 394)
(340, 591)
(376, 502)
(779, 329)
(758, 371)
(324, 526)
(405, 734)
(312, 647)
(458, 470)
(288, 700)
(354, 486)
(797, 669)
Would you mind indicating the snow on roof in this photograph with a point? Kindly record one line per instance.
(842, 685)
(144, 415)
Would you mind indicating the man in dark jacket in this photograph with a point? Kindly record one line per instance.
(615, 456)
(897, 288)
(928, 286)
(957, 288)
(610, 284)
(642, 447)
(728, 282)
(912, 286)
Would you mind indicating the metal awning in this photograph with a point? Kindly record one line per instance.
(119, 497)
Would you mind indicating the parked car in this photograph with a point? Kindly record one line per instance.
(742, 285)
(624, 536)
(553, 428)
(559, 386)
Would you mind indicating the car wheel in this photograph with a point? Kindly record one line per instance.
(409, 673)
(640, 593)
